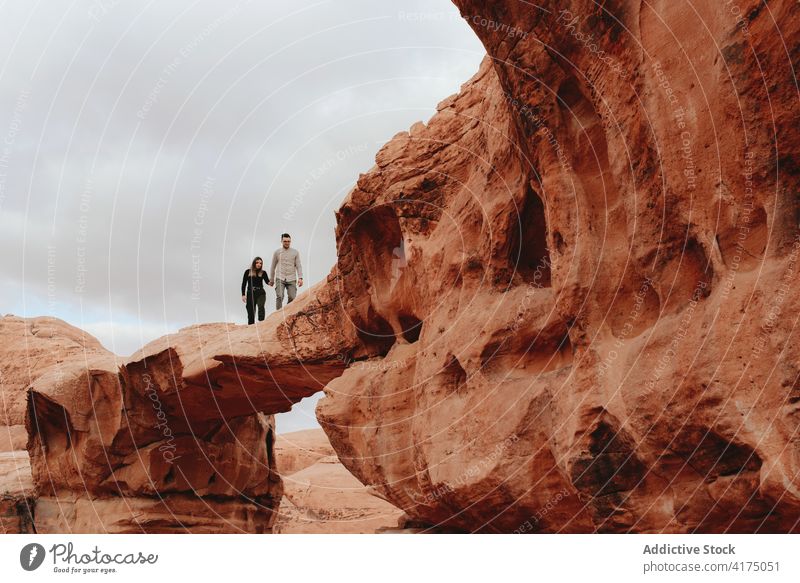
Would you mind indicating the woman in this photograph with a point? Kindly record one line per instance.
(253, 292)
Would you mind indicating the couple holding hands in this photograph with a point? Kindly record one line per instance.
(286, 274)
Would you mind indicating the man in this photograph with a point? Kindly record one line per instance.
(285, 270)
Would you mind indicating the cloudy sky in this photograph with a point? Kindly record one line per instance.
(148, 150)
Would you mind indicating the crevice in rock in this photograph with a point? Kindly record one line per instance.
(453, 375)
(376, 335)
(586, 141)
(635, 306)
(558, 240)
(375, 239)
(608, 464)
(411, 327)
(712, 455)
(687, 275)
(270, 443)
(51, 423)
(527, 352)
(530, 254)
(744, 243)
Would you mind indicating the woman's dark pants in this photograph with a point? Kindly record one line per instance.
(256, 298)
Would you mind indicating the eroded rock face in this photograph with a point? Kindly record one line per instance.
(576, 285)
(564, 304)
(28, 346)
(119, 431)
(111, 428)
(178, 437)
(17, 498)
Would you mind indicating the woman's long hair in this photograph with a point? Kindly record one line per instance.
(253, 266)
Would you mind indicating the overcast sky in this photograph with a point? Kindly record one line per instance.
(148, 150)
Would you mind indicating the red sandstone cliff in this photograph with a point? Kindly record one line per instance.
(599, 239)
(564, 304)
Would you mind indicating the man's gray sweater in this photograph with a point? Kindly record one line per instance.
(287, 262)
